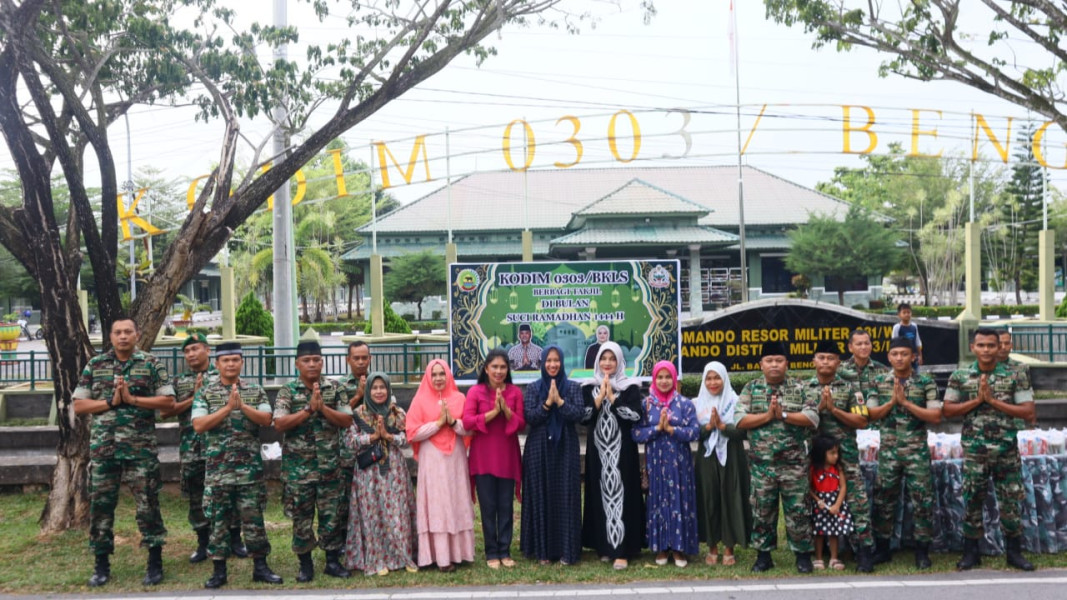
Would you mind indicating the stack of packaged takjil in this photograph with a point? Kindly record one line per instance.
(1039, 442)
(868, 441)
(944, 446)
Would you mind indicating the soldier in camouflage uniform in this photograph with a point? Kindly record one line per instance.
(860, 368)
(1020, 369)
(843, 410)
(903, 402)
(227, 413)
(779, 418)
(991, 399)
(310, 412)
(122, 389)
(352, 387)
(200, 372)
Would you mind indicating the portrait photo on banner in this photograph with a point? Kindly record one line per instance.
(524, 307)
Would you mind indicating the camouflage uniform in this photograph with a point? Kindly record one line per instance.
(234, 475)
(990, 448)
(122, 441)
(190, 448)
(311, 468)
(779, 463)
(1022, 376)
(847, 397)
(903, 455)
(346, 388)
(863, 377)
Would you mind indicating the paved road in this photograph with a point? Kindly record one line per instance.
(977, 585)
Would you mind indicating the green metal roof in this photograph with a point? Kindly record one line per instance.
(464, 249)
(646, 234)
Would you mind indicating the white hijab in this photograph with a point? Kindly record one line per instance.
(618, 381)
(724, 403)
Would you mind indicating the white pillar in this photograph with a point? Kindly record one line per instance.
(1046, 260)
(696, 299)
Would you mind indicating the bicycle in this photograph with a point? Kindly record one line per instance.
(37, 335)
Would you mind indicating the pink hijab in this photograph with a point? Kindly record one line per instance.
(426, 408)
(661, 398)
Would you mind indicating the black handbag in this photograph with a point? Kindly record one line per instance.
(371, 456)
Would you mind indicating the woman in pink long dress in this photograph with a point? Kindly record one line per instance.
(494, 414)
(444, 513)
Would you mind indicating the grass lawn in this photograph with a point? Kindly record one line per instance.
(67, 563)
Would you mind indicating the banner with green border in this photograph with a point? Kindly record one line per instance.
(636, 303)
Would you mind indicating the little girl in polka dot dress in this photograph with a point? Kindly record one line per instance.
(830, 516)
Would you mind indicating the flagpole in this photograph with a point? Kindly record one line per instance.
(740, 172)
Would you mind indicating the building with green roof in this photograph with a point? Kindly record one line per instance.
(689, 213)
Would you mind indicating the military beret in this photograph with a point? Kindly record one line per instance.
(308, 349)
(194, 338)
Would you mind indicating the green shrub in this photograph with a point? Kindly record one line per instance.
(1061, 310)
(393, 322)
(252, 319)
(326, 328)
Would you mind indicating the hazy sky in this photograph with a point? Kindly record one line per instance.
(681, 60)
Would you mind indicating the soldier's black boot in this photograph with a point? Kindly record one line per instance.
(333, 565)
(101, 571)
(218, 578)
(804, 562)
(262, 573)
(864, 560)
(763, 562)
(970, 558)
(922, 555)
(200, 555)
(154, 572)
(882, 553)
(1013, 552)
(237, 549)
(307, 568)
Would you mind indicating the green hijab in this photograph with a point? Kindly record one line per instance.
(370, 405)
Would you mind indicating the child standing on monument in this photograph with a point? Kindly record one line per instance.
(910, 331)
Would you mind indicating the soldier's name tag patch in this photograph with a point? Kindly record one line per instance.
(140, 372)
(103, 373)
(249, 394)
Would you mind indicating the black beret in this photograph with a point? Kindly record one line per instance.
(827, 347)
(308, 349)
(773, 349)
(901, 342)
(228, 348)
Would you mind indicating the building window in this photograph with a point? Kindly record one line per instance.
(838, 284)
(776, 278)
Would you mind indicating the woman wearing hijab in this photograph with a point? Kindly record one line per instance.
(445, 516)
(667, 429)
(614, 516)
(381, 522)
(723, 510)
(493, 413)
(551, 523)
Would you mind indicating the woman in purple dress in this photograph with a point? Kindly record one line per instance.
(668, 427)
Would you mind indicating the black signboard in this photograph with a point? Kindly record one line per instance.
(735, 336)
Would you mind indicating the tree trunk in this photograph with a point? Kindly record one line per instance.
(841, 297)
(350, 288)
(418, 309)
(1018, 289)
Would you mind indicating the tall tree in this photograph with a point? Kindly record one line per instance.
(413, 277)
(1025, 192)
(911, 190)
(927, 42)
(858, 246)
(69, 70)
